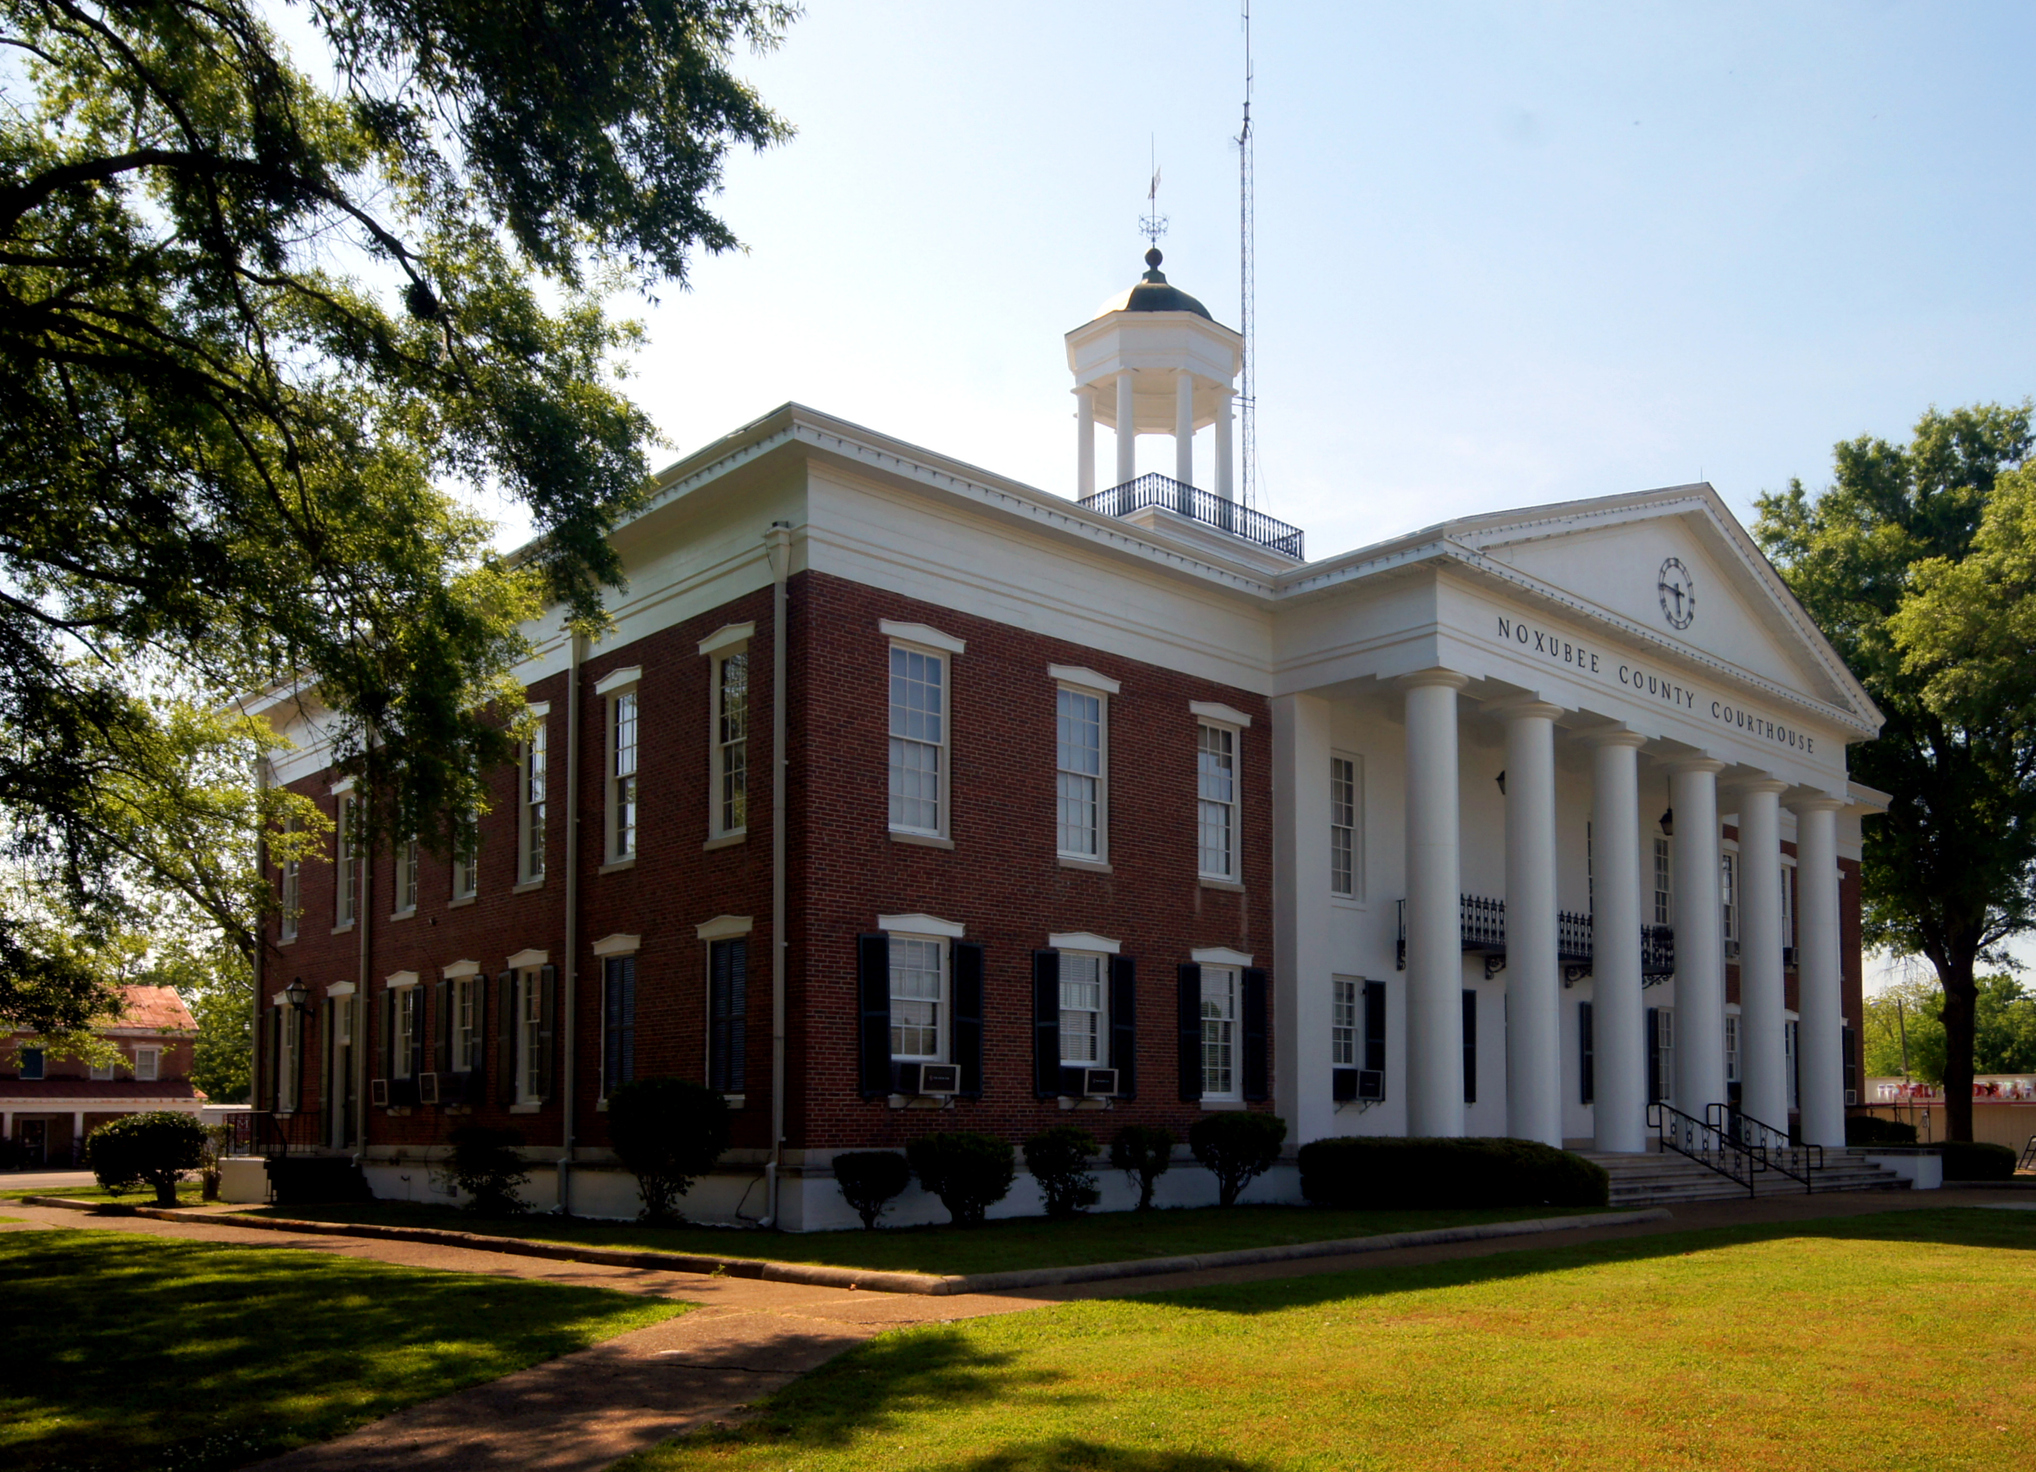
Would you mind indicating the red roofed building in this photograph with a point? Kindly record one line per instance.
(48, 1104)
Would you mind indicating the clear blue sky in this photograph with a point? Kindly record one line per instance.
(1507, 253)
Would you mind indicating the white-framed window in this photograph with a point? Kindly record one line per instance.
(1343, 1022)
(403, 1046)
(1081, 728)
(918, 998)
(622, 749)
(1216, 793)
(1789, 1063)
(148, 1064)
(529, 1023)
(730, 799)
(103, 1072)
(1788, 904)
(1732, 1075)
(1219, 1032)
(466, 862)
(530, 809)
(292, 889)
(918, 741)
(1084, 1010)
(1728, 892)
(466, 1044)
(406, 877)
(348, 879)
(1664, 892)
(1346, 806)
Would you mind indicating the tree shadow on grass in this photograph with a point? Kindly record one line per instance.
(128, 1351)
(1955, 1226)
(1073, 1454)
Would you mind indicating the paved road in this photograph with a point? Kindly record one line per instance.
(582, 1412)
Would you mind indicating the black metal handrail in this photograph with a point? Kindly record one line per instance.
(265, 1132)
(1780, 1150)
(1709, 1145)
(1481, 930)
(1169, 494)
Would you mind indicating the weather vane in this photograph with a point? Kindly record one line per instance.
(1153, 225)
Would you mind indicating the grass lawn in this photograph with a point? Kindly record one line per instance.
(998, 1246)
(122, 1351)
(1902, 1340)
(188, 1194)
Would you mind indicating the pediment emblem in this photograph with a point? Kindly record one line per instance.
(1678, 593)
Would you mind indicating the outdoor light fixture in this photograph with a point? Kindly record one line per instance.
(1502, 784)
(1668, 822)
(295, 994)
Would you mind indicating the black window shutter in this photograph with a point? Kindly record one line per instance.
(325, 1061)
(505, 1040)
(1046, 1023)
(1124, 1024)
(389, 1037)
(625, 1052)
(724, 1069)
(873, 986)
(441, 1002)
(738, 1013)
(1653, 1055)
(1470, 1046)
(611, 1024)
(1375, 1026)
(546, 1027)
(1849, 1041)
(477, 1042)
(1256, 1081)
(1587, 1053)
(1189, 1053)
(968, 1015)
(272, 1043)
(418, 1022)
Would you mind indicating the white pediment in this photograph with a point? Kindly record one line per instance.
(1722, 601)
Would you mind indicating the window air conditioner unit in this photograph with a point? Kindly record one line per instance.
(1371, 1083)
(1731, 950)
(1852, 1096)
(1099, 1083)
(1788, 956)
(940, 1078)
(1342, 1085)
(378, 1093)
(427, 1088)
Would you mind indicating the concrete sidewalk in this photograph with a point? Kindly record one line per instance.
(584, 1411)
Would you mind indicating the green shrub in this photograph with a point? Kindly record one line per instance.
(1871, 1129)
(1143, 1152)
(1059, 1160)
(1975, 1160)
(154, 1149)
(1385, 1173)
(218, 1140)
(969, 1172)
(667, 1132)
(487, 1165)
(869, 1179)
(1237, 1147)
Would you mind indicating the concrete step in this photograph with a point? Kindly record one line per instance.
(1665, 1177)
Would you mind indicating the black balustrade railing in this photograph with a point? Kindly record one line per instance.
(1201, 506)
(1710, 1145)
(1481, 930)
(1657, 950)
(1777, 1148)
(265, 1132)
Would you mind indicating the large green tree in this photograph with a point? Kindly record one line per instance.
(1950, 870)
(266, 319)
(2004, 1029)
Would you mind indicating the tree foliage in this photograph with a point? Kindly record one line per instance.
(1879, 558)
(263, 323)
(2003, 1029)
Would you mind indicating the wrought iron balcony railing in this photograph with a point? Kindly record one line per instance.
(1481, 929)
(1200, 506)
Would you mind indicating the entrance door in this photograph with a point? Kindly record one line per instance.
(33, 1135)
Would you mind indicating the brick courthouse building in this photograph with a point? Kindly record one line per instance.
(1103, 809)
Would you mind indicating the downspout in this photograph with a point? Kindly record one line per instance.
(364, 917)
(778, 544)
(261, 941)
(569, 1127)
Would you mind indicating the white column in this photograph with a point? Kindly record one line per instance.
(1127, 429)
(77, 1132)
(1699, 937)
(1300, 787)
(1434, 885)
(1085, 442)
(1184, 427)
(1223, 468)
(1533, 983)
(1618, 1010)
(1820, 997)
(1763, 1070)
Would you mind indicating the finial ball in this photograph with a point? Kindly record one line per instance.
(1153, 258)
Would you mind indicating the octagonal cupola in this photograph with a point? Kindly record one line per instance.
(1153, 361)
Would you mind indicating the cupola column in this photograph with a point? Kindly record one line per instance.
(1085, 442)
(1184, 427)
(1127, 429)
(1223, 484)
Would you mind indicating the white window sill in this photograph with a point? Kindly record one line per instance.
(617, 866)
(525, 1108)
(1094, 866)
(735, 1101)
(465, 899)
(287, 940)
(726, 840)
(342, 929)
(921, 840)
(397, 1111)
(601, 1105)
(409, 914)
(527, 886)
(1229, 886)
(1222, 1104)
(1347, 902)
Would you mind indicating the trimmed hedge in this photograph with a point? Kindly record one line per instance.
(1871, 1129)
(869, 1179)
(969, 1172)
(1385, 1173)
(1975, 1160)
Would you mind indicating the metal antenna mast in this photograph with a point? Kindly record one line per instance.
(1247, 399)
